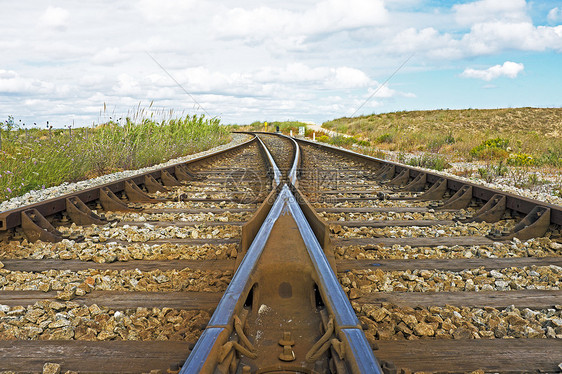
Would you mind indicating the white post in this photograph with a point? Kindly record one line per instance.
(313, 136)
(291, 132)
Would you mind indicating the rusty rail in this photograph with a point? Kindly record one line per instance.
(205, 354)
(268, 268)
(276, 172)
(359, 356)
(343, 335)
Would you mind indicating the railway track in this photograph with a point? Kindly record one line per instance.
(281, 256)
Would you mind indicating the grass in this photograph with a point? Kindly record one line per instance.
(519, 134)
(285, 127)
(429, 161)
(36, 159)
(517, 146)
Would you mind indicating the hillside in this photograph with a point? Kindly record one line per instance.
(533, 131)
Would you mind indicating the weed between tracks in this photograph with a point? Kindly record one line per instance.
(34, 159)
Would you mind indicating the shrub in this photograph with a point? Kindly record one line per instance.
(491, 149)
(342, 141)
(323, 138)
(486, 174)
(376, 153)
(435, 144)
(430, 161)
(490, 172)
(384, 138)
(551, 157)
(363, 143)
(450, 139)
(520, 159)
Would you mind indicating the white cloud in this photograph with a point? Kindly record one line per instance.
(322, 77)
(247, 59)
(109, 56)
(166, 10)
(491, 10)
(127, 86)
(555, 15)
(483, 39)
(508, 69)
(55, 18)
(487, 38)
(11, 82)
(345, 77)
(427, 40)
(327, 16)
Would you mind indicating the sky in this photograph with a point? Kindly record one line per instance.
(80, 63)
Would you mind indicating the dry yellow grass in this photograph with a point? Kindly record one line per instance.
(534, 131)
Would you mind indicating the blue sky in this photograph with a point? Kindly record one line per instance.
(270, 60)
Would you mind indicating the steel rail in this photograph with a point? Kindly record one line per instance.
(276, 172)
(359, 356)
(12, 218)
(293, 173)
(520, 204)
(217, 331)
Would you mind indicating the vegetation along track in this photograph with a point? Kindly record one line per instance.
(231, 263)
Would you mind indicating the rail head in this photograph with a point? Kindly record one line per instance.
(274, 167)
(234, 293)
(334, 295)
(293, 173)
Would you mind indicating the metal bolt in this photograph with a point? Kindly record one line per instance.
(286, 340)
(288, 354)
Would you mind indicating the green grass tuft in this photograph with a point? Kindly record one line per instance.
(39, 159)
